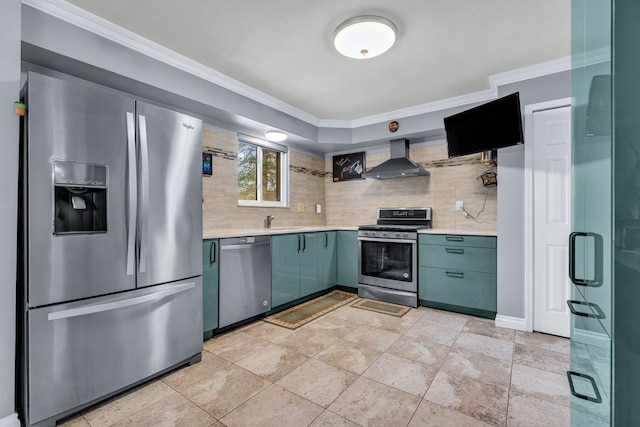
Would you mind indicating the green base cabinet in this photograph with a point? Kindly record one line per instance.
(209, 287)
(302, 265)
(311, 264)
(347, 258)
(458, 273)
(285, 268)
(329, 259)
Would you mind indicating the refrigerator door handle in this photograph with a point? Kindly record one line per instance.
(144, 196)
(115, 305)
(132, 206)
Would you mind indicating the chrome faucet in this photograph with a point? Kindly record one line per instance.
(269, 219)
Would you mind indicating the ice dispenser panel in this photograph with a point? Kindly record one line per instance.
(80, 197)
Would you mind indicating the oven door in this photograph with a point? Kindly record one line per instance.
(389, 263)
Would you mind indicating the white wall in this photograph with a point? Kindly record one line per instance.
(10, 24)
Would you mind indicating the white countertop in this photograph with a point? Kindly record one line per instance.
(240, 232)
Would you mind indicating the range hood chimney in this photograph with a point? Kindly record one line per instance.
(399, 165)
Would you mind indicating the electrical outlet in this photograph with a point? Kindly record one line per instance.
(459, 206)
(318, 208)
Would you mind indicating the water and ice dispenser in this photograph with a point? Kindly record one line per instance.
(80, 197)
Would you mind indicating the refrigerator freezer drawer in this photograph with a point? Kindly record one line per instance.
(82, 351)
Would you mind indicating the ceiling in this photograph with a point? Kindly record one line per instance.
(283, 48)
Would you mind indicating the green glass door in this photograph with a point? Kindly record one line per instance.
(590, 242)
(626, 95)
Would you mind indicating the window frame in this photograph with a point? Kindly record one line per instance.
(284, 172)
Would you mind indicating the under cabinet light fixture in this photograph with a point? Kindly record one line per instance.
(364, 37)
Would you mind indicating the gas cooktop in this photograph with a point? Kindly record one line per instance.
(401, 219)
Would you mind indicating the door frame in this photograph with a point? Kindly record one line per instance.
(529, 110)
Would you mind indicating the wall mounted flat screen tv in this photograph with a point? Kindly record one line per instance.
(490, 126)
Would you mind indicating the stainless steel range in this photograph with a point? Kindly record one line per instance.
(388, 258)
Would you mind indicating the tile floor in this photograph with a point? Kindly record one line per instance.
(355, 367)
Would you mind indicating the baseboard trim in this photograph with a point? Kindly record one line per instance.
(10, 421)
(509, 322)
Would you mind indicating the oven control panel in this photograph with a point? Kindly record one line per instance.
(408, 235)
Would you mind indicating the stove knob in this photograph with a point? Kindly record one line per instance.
(385, 234)
(398, 235)
(405, 235)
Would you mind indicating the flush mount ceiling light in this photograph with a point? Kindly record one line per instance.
(364, 37)
(275, 135)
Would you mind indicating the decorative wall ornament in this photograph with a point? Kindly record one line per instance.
(347, 167)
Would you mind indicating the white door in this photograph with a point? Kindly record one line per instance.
(551, 219)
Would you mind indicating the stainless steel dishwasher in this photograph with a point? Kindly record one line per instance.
(245, 278)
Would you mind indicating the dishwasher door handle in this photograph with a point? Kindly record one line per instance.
(244, 246)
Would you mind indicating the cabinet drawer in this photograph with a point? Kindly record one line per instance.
(458, 258)
(457, 240)
(470, 289)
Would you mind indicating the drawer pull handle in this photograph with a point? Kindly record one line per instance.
(596, 399)
(456, 274)
(599, 314)
(455, 250)
(454, 238)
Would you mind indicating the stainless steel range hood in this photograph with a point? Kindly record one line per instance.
(399, 165)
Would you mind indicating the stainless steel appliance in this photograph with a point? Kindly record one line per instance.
(399, 164)
(112, 244)
(388, 255)
(245, 278)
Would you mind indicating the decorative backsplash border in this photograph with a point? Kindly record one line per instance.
(302, 169)
(444, 163)
(232, 155)
(217, 152)
(466, 160)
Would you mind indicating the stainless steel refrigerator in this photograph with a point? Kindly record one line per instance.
(112, 241)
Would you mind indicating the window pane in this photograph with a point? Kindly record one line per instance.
(270, 175)
(247, 172)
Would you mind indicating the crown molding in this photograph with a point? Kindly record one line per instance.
(443, 104)
(531, 72)
(81, 18)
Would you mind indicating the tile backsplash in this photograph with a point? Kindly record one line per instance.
(220, 206)
(355, 202)
(348, 202)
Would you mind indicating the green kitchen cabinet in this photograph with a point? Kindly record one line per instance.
(209, 286)
(285, 268)
(347, 258)
(302, 264)
(311, 263)
(330, 259)
(458, 273)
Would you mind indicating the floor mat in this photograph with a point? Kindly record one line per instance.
(304, 313)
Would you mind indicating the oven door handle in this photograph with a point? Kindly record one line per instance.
(373, 239)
